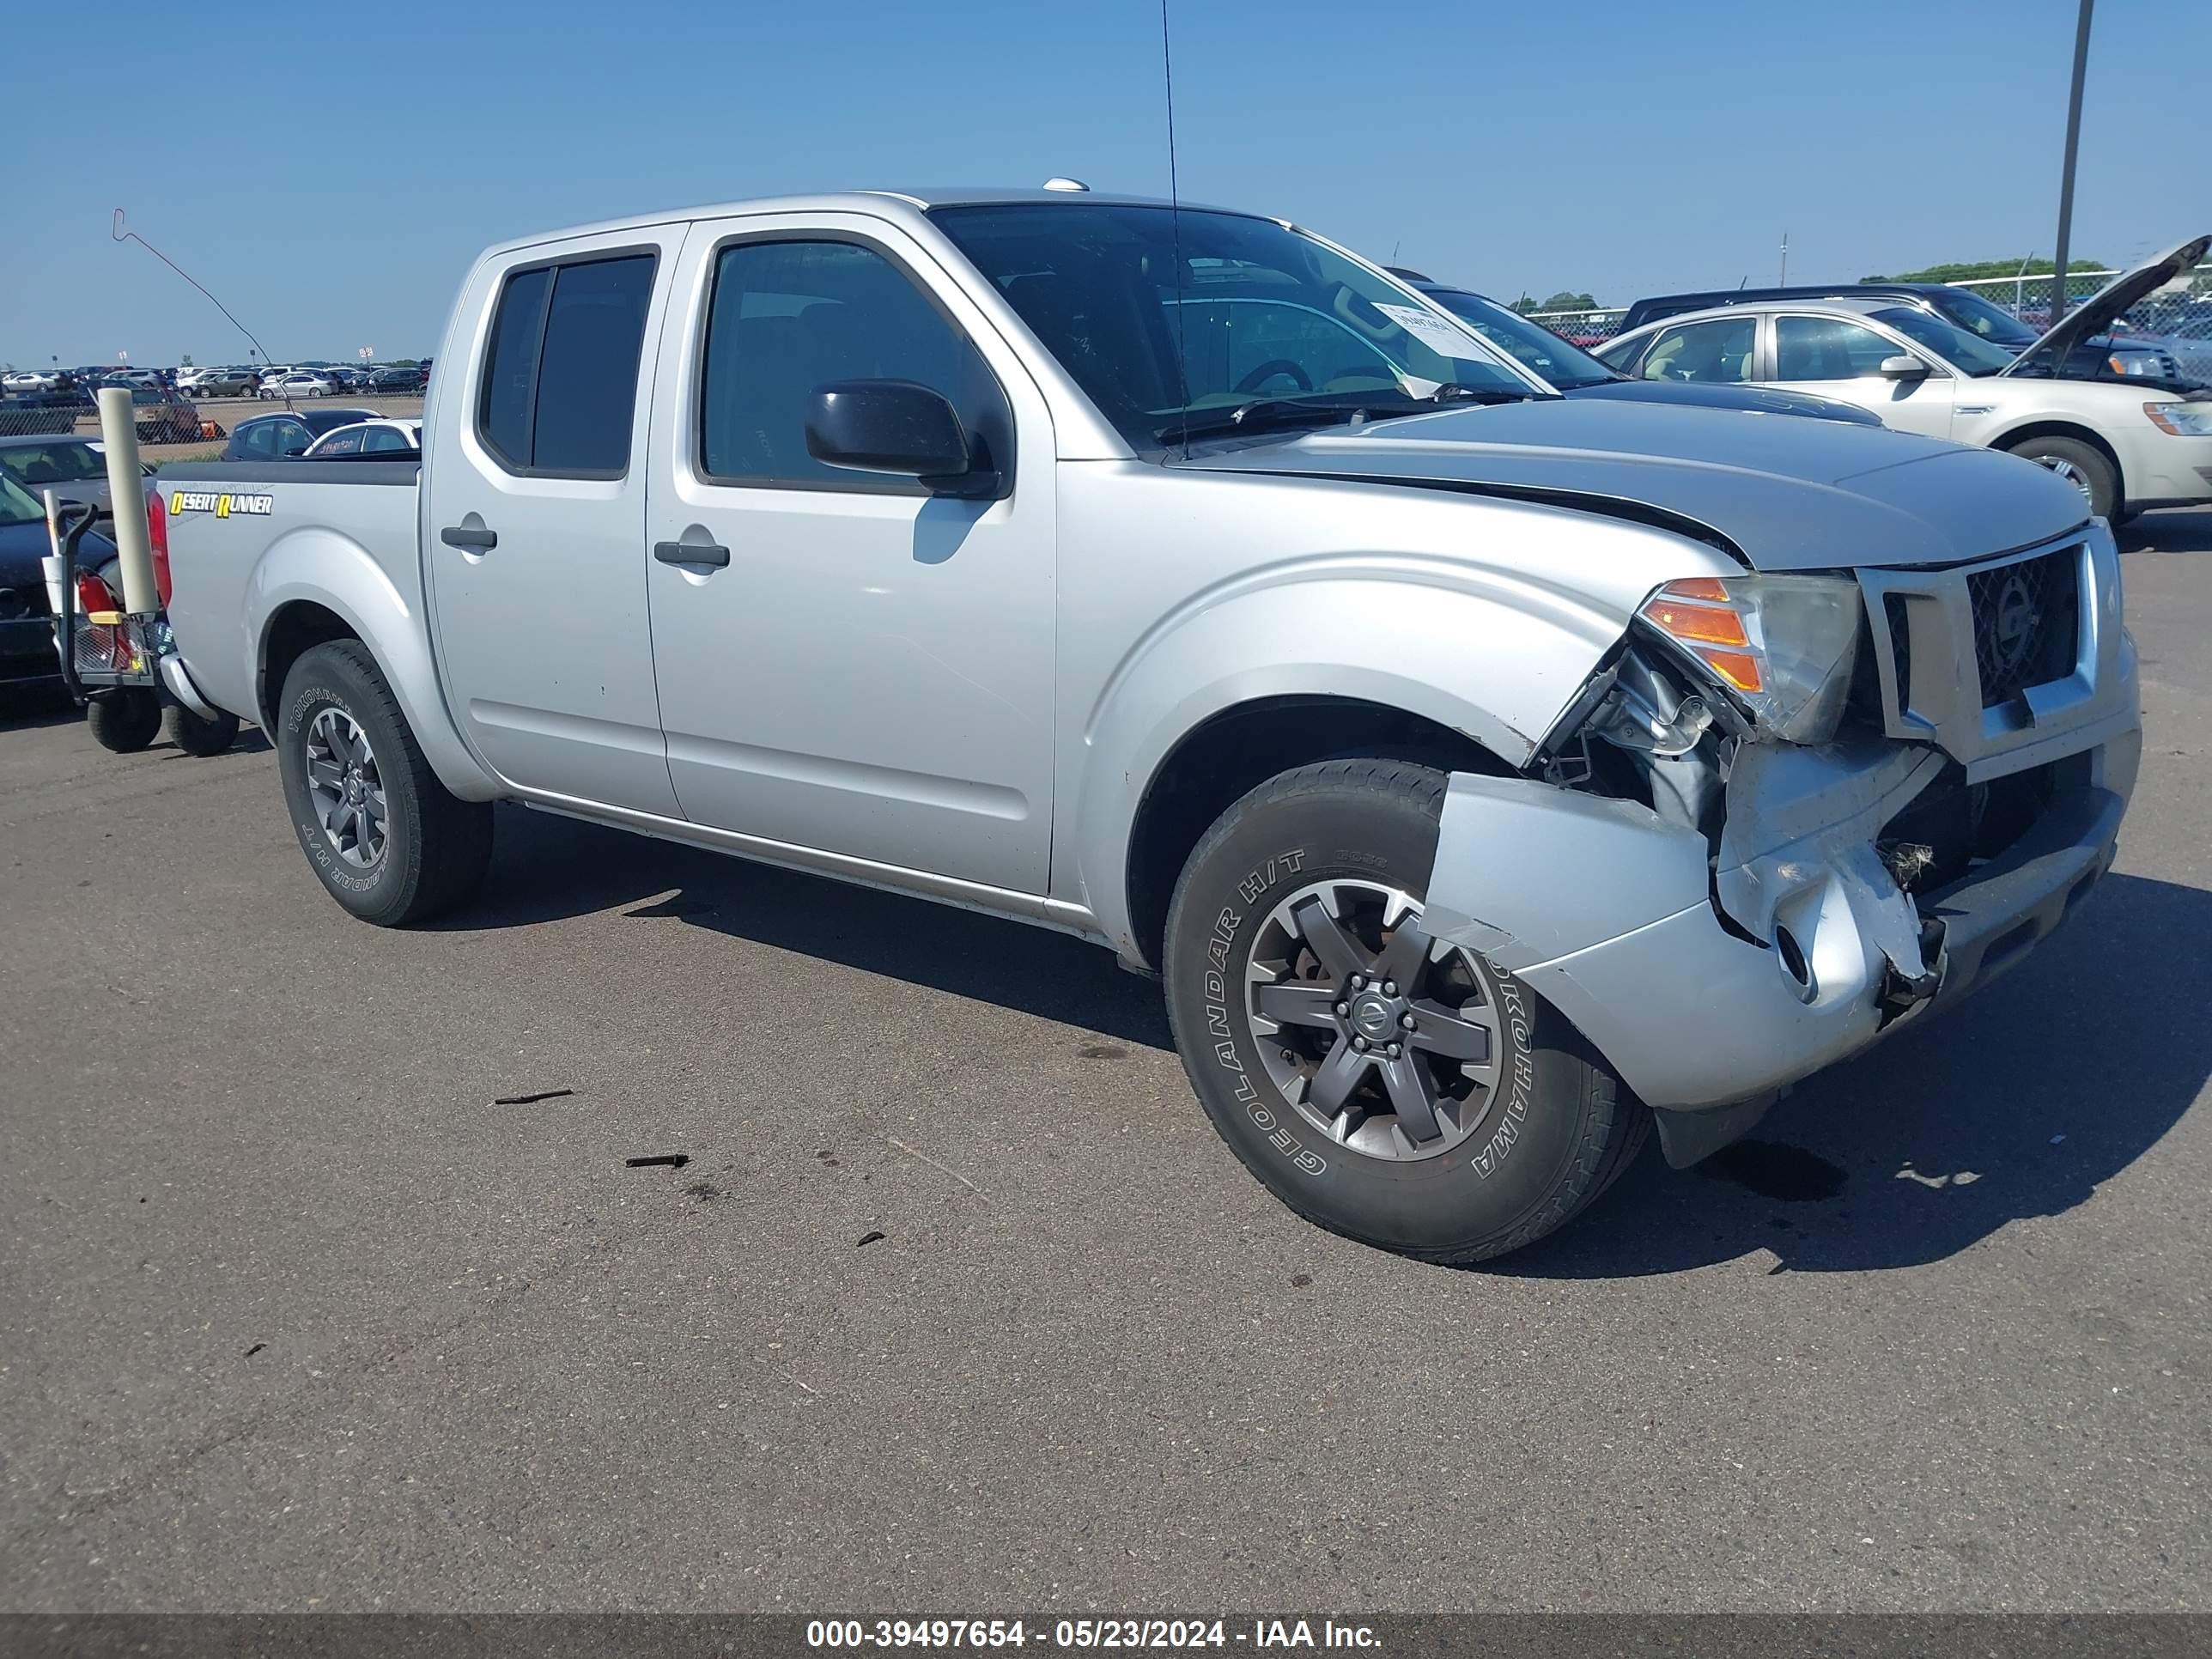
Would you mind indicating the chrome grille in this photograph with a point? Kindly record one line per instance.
(2027, 622)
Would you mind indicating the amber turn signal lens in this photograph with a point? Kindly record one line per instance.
(1739, 668)
(1706, 625)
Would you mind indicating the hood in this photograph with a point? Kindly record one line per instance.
(2102, 309)
(1762, 400)
(1777, 495)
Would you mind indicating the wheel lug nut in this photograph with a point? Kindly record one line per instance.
(1394, 1051)
(1359, 981)
(1390, 987)
(1360, 1043)
(1343, 1008)
(1406, 1021)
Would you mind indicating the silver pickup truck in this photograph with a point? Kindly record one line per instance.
(1488, 775)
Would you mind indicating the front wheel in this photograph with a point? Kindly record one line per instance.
(389, 841)
(1382, 1081)
(2083, 466)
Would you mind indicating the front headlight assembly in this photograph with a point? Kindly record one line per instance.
(1783, 647)
(2182, 420)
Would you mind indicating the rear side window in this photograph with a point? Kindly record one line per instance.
(559, 381)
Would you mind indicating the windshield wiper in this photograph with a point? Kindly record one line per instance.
(1333, 409)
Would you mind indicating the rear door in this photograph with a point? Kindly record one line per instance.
(1835, 357)
(850, 663)
(534, 526)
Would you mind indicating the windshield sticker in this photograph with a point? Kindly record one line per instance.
(223, 504)
(1434, 332)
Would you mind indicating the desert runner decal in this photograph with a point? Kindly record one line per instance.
(222, 505)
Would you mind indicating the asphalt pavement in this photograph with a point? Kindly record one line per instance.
(328, 1282)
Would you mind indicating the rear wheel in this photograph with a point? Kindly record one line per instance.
(125, 720)
(198, 736)
(2081, 464)
(1383, 1081)
(390, 842)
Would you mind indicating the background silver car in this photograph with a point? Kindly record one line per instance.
(2126, 445)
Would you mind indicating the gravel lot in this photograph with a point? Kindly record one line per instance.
(292, 1316)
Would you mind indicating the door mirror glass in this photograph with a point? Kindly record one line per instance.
(1902, 366)
(896, 427)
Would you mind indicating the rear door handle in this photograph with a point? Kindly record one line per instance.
(708, 553)
(473, 537)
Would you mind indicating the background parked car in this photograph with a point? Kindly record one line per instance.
(163, 415)
(1579, 374)
(74, 468)
(396, 376)
(227, 383)
(26, 634)
(393, 438)
(280, 437)
(301, 383)
(31, 380)
(1922, 373)
(2096, 357)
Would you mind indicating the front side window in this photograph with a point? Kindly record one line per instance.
(787, 317)
(1968, 352)
(560, 378)
(1171, 321)
(1827, 349)
(340, 443)
(1714, 353)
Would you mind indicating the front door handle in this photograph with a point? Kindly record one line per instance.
(707, 553)
(475, 538)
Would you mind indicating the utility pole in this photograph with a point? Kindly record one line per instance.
(2066, 174)
(1784, 283)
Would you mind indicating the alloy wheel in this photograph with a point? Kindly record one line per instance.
(346, 788)
(2066, 470)
(1384, 1038)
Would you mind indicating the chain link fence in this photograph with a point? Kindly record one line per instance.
(2178, 318)
(166, 416)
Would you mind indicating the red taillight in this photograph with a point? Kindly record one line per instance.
(157, 537)
(95, 595)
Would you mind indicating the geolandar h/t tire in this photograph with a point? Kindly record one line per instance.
(1380, 1081)
(391, 843)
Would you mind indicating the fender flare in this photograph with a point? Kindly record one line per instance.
(322, 568)
(1496, 664)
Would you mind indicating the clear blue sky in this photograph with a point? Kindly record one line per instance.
(352, 158)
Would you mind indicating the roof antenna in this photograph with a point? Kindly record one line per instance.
(117, 233)
(1174, 222)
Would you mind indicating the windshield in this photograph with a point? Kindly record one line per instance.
(35, 466)
(1968, 352)
(1969, 311)
(16, 505)
(1254, 311)
(1564, 364)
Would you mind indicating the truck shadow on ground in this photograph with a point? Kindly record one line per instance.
(547, 867)
(2185, 531)
(2013, 1106)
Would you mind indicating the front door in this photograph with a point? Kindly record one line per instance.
(1831, 357)
(534, 524)
(848, 662)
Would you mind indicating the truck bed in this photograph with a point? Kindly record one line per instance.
(253, 528)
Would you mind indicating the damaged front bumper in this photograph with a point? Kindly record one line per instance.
(1713, 972)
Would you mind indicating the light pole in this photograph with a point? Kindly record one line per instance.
(2066, 174)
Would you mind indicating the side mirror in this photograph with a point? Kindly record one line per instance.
(1902, 366)
(895, 427)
